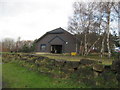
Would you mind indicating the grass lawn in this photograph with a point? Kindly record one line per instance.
(15, 76)
(104, 60)
(0, 72)
(0, 75)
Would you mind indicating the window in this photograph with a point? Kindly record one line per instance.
(42, 47)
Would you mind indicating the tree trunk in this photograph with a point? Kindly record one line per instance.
(76, 45)
(102, 48)
(93, 45)
(85, 45)
(81, 48)
(108, 32)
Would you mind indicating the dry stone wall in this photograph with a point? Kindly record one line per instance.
(83, 71)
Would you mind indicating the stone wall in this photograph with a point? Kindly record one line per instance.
(87, 71)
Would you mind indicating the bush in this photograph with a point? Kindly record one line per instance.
(27, 48)
(116, 55)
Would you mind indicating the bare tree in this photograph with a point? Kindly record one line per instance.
(8, 44)
(18, 44)
(108, 6)
(93, 17)
(83, 21)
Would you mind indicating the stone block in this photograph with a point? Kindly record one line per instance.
(116, 66)
(87, 62)
(98, 68)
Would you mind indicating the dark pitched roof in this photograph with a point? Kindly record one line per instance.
(57, 31)
(56, 37)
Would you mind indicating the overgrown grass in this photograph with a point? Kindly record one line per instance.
(15, 76)
(0, 75)
(95, 57)
(29, 76)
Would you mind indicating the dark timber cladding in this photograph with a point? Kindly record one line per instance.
(57, 41)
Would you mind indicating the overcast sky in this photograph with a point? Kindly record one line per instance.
(30, 19)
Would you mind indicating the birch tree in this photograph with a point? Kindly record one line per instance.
(82, 19)
(108, 6)
(93, 17)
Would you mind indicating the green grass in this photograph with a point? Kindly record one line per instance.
(15, 76)
(104, 60)
(0, 75)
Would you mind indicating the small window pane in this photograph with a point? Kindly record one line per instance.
(43, 47)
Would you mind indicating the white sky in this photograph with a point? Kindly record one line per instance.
(30, 19)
